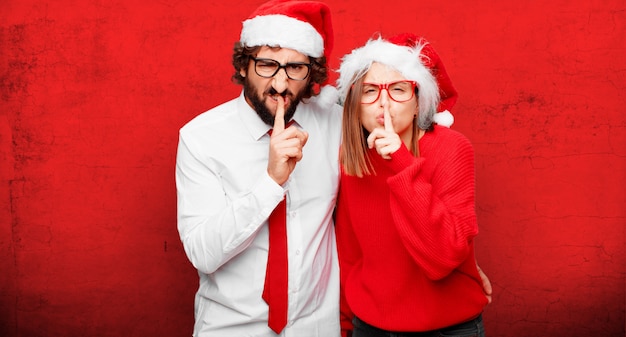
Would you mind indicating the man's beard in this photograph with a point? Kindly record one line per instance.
(261, 109)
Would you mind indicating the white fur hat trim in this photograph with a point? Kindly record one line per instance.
(404, 59)
(444, 118)
(282, 31)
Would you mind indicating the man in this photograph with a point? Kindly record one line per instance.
(233, 171)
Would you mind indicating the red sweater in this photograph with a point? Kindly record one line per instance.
(405, 238)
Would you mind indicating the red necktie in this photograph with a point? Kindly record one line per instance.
(276, 274)
(275, 290)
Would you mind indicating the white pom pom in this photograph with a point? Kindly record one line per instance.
(444, 118)
(327, 97)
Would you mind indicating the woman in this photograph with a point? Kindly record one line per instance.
(406, 217)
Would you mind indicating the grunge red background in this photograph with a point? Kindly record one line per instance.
(93, 94)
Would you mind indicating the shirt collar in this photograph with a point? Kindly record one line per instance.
(255, 126)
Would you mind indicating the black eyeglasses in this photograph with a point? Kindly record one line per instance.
(267, 68)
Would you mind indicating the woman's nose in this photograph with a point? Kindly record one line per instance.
(384, 97)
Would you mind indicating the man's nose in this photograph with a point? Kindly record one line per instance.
(280, 81)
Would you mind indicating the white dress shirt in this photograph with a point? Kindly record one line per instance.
(225, 197)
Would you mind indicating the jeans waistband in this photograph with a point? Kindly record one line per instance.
(432, 333)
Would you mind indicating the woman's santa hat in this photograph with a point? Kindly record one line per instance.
(414, 58)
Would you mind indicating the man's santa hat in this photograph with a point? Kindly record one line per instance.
(304, 26)
(414, 58)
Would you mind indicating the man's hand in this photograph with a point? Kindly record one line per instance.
(386, 140)
(486, 283)
(285, 146)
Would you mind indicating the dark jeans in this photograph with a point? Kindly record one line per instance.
(473, 328)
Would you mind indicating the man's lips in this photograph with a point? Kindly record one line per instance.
(274, 99)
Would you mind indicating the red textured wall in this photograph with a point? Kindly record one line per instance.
(93, 94)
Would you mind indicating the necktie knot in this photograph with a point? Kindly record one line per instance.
(290, 123)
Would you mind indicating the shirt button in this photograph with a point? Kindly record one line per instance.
(298, 252)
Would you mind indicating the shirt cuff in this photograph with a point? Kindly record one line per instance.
(268, 192)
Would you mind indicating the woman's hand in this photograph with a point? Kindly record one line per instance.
(386, 140)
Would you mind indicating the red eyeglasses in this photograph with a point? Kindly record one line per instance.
(399, 91)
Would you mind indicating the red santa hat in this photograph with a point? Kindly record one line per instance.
(447, 93)
(415, 59)
(304, 26)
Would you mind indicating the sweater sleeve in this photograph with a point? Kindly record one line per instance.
(432, 203)
(348, 253)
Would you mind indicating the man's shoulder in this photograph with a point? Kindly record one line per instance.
(326, 111)
(211, 118)
(326, 101)
(325, 118)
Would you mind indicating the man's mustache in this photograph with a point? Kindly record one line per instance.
(273, 92)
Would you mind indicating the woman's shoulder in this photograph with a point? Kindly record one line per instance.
(450, 139)
(448, 134)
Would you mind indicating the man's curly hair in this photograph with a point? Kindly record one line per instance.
(242, 56)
